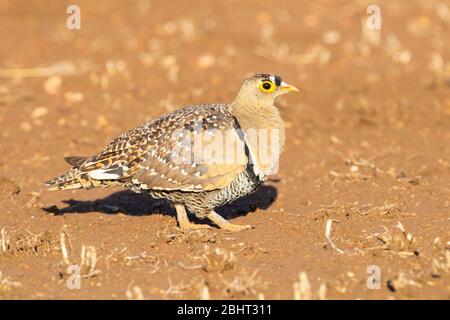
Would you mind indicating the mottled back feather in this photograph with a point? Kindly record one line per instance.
(156, 155)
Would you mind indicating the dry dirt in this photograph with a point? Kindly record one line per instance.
(368, 149)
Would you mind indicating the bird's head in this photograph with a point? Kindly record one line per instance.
(263, 88)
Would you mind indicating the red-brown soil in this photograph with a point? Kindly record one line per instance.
(368, 146)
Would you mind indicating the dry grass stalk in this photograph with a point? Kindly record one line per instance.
(404, 244)
(64, 251)
(7, 284)
(4, 241)
(134, 293)
(24, 241)
(178, 290)
(89, 261)
(440, 265)
(217, 259)
(204, 292)
(34, 197)
(37, 243)
(243, 285)
(323, 291)
(63, 68)
(302, 288)
(408, 236)
(328, 236)
(402, 281)
(198, 266)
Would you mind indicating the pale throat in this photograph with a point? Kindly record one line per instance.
(258, 115)
(261, 115)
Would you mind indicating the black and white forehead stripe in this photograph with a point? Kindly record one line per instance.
(276, 80)
(267, 77)
(272, 78)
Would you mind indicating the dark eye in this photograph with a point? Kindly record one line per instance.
(267, 85)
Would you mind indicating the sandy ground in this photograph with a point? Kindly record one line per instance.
(368, 149)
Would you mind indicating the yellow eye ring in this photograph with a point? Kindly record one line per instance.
(267, 86)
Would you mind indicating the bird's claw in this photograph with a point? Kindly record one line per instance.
(236, 227)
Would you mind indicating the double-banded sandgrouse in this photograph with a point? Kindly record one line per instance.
(198, 157)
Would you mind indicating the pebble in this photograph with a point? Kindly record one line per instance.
(331, 37)
(52, 85)
(102, 122)
(73, 96)
(62, 122)
(25, 126)
(39, 112)
(206, 61)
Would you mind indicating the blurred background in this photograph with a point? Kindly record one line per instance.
(368, 145)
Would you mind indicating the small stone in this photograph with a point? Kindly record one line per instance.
(336, 140)
(73, 96)
(331, 37)
(102, 122)
(62, 122)
(39, 112)
(52, 85)
(206, 61)
(25, 126)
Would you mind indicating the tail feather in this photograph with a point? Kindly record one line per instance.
(69, 180)
(77, 179)
(75, 161)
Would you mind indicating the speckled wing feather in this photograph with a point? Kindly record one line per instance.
(160, 155)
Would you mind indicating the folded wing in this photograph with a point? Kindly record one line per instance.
(198, 148)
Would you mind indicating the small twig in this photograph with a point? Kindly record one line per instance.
(59, 68)
(64, 248)
(156, 268)
(4, 240)
(34, 196)
(198, 266)
(302, 288)
(328, 236)
(134, 292)
(408, 236)
(204, 292)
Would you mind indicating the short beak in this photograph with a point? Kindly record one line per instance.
(288, 88)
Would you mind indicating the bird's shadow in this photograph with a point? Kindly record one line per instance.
(139, 204)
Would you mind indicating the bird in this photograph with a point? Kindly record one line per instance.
(171, 157)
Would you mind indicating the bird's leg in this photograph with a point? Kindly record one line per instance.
(183, 220)
(224, 224)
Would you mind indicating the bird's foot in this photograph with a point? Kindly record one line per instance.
(231, 227)
(184, 222)
(224, 224)
(193, 226)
